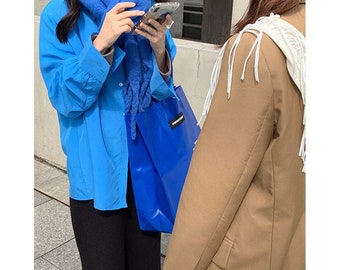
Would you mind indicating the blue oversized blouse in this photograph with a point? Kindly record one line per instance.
(86, 92)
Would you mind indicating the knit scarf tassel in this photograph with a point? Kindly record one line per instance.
(137, 94)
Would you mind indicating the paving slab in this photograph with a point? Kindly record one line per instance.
(165, 241)
(65, 257)
(40, 198)
(56, 188)
(44, 172)
(42, 264)
(52, 227)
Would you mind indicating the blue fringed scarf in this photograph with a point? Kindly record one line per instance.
(138, 60)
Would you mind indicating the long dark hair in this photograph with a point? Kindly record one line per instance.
(67, 23)
(259, 8)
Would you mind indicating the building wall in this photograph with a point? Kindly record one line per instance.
(238, 10)
(192, 69)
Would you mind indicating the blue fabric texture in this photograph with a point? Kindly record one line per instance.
(138, 61)
(88, 95)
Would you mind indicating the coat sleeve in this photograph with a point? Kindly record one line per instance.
(232, 142)
(72, 82)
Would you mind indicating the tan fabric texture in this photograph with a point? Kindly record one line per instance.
(243, 202)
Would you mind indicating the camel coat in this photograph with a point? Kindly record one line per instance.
(243, 203)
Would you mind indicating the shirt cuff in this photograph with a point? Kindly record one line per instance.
(108, 54)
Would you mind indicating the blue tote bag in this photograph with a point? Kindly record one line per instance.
(159, 159)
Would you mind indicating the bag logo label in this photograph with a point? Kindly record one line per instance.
(176, 121)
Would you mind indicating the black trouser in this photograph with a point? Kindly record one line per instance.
(112, 240)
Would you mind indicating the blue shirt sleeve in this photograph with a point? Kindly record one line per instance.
(73, 73)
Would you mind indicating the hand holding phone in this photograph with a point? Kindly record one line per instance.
(157, 12)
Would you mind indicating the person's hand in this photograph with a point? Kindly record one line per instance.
(117, 21)
(155, 32)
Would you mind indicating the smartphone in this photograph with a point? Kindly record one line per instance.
(157, 12)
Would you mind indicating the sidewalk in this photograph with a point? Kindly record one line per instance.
(54, 243)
